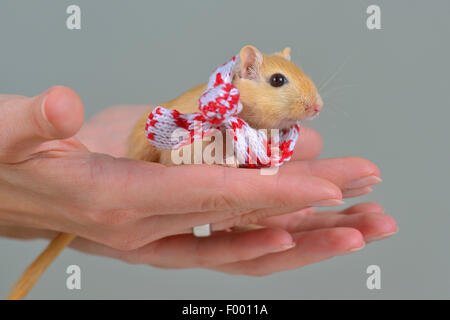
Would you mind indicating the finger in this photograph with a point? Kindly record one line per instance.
(167, 225)
(353, 193)
(305, 220)
(156, 227)
(363, 207)
(285, 221)
(254, 217)
(187, 251)
(312, 246)
(201, 188)
(309, 144)
(372, 225)
(356, 208)
(27, 122)
(343, 172)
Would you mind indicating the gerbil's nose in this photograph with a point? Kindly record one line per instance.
(317, 105)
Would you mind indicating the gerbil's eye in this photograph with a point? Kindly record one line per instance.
(277, 80)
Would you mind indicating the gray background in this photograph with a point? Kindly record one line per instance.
(389, 103)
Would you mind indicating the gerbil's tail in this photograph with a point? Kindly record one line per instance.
(38, 267)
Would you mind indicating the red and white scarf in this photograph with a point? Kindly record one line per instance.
(219, 106)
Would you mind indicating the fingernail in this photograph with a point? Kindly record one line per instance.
(327, 203)
(284, 248)
(381, 236)
(356, 192)
(44, 114)
(363, 182)
(357, 249)
(353, 250)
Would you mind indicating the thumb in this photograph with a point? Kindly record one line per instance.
(27, 122)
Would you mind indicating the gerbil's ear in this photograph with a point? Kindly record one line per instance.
(251, 60)
(286, 53)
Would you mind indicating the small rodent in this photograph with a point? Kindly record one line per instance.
(274, 92)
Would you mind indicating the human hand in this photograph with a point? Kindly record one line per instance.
(317, 235)
(330, 176)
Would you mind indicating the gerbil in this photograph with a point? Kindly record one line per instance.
(274, 92)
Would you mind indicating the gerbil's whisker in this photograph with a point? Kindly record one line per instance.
(333, 75)
(334, 106)
(331, 90)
